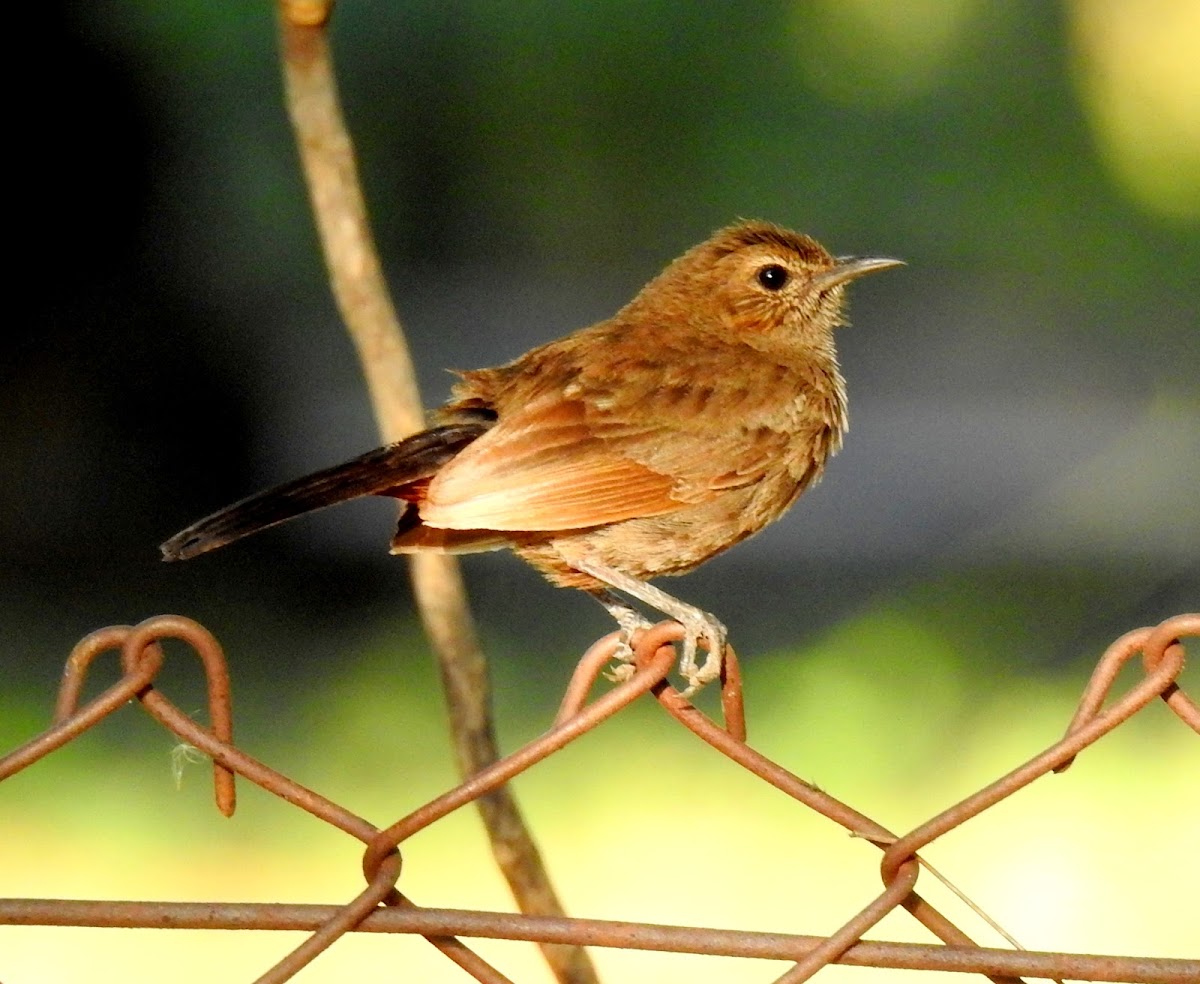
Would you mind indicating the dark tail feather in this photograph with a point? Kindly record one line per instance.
(373, 473)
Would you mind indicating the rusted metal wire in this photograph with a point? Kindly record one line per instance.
(591, 932)
(380, 907)
(898, 887)
(141, 659)
(138, 645)
(652, 672)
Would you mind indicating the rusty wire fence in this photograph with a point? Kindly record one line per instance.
(382, 908)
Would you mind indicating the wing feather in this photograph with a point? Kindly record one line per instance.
(646, 433)
(542, 468)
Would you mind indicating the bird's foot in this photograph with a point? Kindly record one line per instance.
(706, 627)
(622, 669)
(697, 625)
(632, 622)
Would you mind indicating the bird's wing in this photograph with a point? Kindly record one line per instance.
(544, 468)
(643, 437)
(711, 413)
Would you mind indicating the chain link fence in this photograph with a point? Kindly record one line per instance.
(382, 908)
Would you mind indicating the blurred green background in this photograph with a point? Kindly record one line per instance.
(1019, 486)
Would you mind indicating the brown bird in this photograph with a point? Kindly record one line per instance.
(638, 447)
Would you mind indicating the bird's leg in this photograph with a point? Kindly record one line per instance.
(696, 624)
(630, 621)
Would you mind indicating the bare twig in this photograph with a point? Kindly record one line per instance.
(327, 154)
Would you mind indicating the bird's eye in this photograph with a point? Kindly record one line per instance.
(773, 276)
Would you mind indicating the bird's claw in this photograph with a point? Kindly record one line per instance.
(623, 667)
(697, 626)
(713, 633)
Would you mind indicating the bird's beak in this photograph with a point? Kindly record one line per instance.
(851, 268)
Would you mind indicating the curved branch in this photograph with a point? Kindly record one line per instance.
(327, 155)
